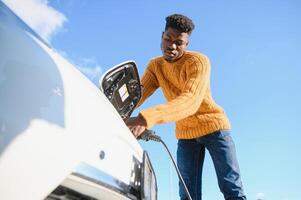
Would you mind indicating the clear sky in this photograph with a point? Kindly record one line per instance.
(255, 52)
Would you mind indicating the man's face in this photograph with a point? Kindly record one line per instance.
(173, 44)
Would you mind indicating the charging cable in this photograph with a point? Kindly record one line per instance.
(151, 135)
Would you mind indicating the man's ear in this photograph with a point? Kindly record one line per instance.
(162, 34)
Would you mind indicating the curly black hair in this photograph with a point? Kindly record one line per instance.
(179, 22)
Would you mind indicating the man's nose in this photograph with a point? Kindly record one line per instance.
(172, 45)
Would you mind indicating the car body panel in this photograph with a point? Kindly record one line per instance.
(53, 119)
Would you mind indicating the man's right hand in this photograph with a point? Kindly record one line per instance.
(137, 125)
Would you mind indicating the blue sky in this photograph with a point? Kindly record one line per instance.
(255, 52)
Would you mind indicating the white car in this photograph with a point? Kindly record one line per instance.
(60, 136)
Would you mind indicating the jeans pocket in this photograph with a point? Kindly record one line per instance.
(224, 133)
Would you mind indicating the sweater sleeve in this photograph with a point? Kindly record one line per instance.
(188, 102)
(149, 83)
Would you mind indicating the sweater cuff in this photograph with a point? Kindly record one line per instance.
(149, 118)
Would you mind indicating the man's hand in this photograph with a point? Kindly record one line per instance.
(137, 125)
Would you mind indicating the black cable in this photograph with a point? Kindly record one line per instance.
(150, 135)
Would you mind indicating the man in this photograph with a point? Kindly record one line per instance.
(184, 78)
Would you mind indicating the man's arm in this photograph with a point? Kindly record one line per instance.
(137, 125)
(149, 83)
(185, 104)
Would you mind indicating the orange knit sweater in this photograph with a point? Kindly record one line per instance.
(186, 86)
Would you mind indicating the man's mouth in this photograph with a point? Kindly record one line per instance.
(170, 53)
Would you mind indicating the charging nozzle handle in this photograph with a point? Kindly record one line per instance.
(149, 135)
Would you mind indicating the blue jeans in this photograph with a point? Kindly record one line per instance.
(190, 159)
